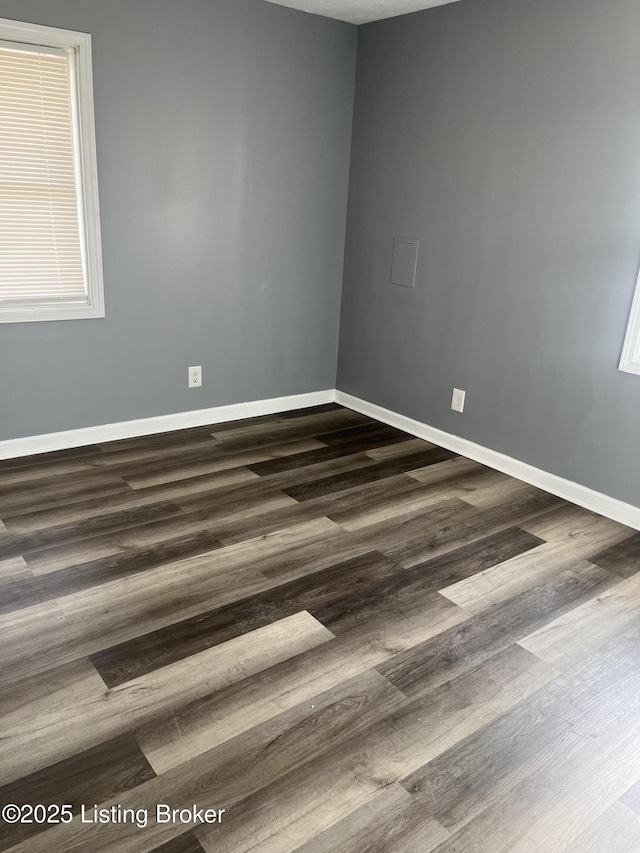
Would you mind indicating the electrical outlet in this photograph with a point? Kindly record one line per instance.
(457, 400)
(195, 377)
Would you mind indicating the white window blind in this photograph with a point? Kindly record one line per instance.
(41, 258)
(50, 247)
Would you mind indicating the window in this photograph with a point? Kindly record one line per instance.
(50, 255)
(630, 361)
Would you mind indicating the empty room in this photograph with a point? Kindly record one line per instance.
(319, 424)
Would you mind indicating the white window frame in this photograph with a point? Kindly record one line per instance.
(78, 48)
(630, 360)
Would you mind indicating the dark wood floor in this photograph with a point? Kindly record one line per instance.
(349, 639)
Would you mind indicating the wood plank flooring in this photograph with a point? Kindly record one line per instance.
(348, 639)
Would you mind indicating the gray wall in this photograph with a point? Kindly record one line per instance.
(223, 134)
(505, 135)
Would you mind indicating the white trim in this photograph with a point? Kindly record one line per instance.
(595, 501)
(588, 498)
(78, 47)
(42, 311)
(21, 31)
(164, 423)
(630, 360)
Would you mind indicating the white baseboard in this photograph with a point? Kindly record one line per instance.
(164, 423)
(588, 498)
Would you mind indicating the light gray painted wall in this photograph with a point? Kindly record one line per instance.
(223, 135)
(505, 135)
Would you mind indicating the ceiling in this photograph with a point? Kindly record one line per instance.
(360, 11)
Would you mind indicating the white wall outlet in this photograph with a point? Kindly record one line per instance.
(457, 401)
(195, 377)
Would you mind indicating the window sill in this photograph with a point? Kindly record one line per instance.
(629, 366)
(42, 313)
